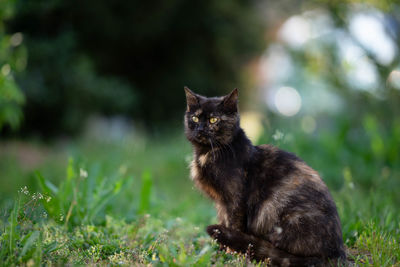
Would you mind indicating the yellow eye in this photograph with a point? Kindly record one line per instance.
(195, 119)
(213, 120)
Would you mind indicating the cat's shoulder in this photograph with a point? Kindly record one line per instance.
(284, 162)
(275, 153)
(267, 148)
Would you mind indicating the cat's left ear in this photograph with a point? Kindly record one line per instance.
(230, 101)
(191, 99)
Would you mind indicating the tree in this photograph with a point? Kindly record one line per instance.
(12, 60)
(129, 57)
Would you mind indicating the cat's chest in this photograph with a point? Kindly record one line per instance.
(204, 183)
(214, 169)
(213, 178)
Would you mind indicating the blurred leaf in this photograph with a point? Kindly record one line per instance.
(28, 243)
(53, 206)
(70, 169)
(11, 97)
(12, 231)
(145, 192)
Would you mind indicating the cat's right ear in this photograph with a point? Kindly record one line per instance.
(230, 101)
(191, 99)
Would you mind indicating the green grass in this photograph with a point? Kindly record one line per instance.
(131, 202)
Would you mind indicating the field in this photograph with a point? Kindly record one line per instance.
(130, 201)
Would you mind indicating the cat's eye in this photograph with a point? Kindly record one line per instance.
(195, 119)
(213, 120)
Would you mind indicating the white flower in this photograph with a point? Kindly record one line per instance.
(83, 173)
(278, 135)
(24, 190)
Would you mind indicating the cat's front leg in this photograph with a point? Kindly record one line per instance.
(222, 214)
(231, 216)
(236, 217)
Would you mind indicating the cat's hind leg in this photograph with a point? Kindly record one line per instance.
(256, 248)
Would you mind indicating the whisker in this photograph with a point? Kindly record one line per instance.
(218, 149)
(227, 148)
(221, 149)
(212, 148)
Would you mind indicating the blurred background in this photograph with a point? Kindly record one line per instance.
(102, 82)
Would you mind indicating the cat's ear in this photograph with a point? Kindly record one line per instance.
(191, 99)
(230, 101)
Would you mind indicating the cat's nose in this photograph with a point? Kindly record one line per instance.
(200, 131)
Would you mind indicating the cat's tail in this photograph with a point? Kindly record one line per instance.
(257, 248)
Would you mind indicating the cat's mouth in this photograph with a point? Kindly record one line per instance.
(202, 139)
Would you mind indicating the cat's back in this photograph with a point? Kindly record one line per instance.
(282, 175)
(281, 166)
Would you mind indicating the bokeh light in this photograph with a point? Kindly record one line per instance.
(394, 79)
(251, 122)
(287, 101)
(368, 28)
(308, 124)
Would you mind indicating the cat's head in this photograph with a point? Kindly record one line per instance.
(211, 120)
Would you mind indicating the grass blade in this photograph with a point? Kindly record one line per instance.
(145, 192)
(12, 230)
(29, 243)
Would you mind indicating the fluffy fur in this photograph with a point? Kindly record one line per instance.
(270, 204)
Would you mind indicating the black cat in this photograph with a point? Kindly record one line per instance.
(270, 204)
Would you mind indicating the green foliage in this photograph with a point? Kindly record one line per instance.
(145, 192)
(21, 239)
(63, 87)
(12, 60)
(82, 198)
(326, 76)
(12, 234)
(128, 57)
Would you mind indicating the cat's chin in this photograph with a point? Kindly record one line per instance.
(201, 141)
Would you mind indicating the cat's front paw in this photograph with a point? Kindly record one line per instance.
(223, 236)
(215, 231)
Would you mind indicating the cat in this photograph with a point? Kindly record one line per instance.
(270, 204)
